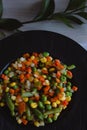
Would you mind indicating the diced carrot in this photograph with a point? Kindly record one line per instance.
(54, 99)
(24, 121)
(21, 107)
(18, 98)
(35, 54)
(57, 62)
(35, 61)
(12, 91)
(58, 74)
(50, 115)
(41, 78)
(51, 93)
(57, 80)
(44, 71)
(26, 55)
(37, 97)
(46, 89)
(21, 76)
(27, 76)
(65, 102)
(74, 88)
(69, 74)
(29, 70)
(61, 89)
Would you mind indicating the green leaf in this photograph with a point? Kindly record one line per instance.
(75, 19)
(1, 8)
(47, 9)
(74, 4)
(63, 18)
(82, 14)
(9, 24)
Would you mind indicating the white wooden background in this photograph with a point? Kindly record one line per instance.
(26, 9)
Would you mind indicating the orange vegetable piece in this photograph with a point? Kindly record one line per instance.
(24, 121)
(74, 88)
(22, 107)
(12, 91)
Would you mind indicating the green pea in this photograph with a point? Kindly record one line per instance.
(6, 72)
(45, 54)
(63, 78)
(34, 69)
(48, 107)
(43, 98)
(15, 87)
(49, 120)
(49, 77)
(40, 104)
(30, 101)
(68, 88)
(68, 94)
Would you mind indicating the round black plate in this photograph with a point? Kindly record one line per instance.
(69, 52)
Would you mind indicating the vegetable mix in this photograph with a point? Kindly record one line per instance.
(36, 88)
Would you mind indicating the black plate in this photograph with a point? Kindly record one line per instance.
(69, 52)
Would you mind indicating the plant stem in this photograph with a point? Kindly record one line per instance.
(78, 9)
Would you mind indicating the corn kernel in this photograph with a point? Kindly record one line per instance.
(19, 121)
(47, 102)
(2, 104)
(12, 84)
(43, 60)
(58, 102)
(33, 105)
(32, 57)
(7, 89)
(25, 99)
(44, 76)
(54, 104)
(36, 123)
(24, 117)
(9, 68)
(13, 98)
(68, 98)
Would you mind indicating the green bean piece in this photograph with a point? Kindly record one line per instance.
(49, 120)
(71, 67)
(38, 114)
(27, 94)
(28, 113)
(53, 111)
(15, 87)
(10, 104)
(44, 98)
(40, 104)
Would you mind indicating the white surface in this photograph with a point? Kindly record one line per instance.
(24, 10)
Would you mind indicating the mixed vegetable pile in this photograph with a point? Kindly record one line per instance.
(36, 88)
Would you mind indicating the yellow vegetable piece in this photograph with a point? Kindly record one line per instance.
(33, 105)
(25, 99)
(36, 123)
(54, 104)
(43, 60)
(47, 102)
(12, 84)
